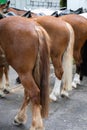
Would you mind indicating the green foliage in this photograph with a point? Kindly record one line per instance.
(63, 3)
(3, 2)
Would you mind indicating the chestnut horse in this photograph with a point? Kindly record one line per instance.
(81, 70)
(61, 48)
(79, 24)
(26, 46)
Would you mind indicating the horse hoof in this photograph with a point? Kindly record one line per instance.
(33, 128)
(2, 95)
(16, 123)
(18, 81)
(6, 91)
(74, 85)
(64, 94)
(53, 97)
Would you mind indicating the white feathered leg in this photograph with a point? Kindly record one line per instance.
(76, 80)
(56, 90)
(68, 65)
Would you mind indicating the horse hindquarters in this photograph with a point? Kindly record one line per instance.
(39, 82)
(32, 56)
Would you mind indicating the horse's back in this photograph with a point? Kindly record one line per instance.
(77, 22)
(56, 29)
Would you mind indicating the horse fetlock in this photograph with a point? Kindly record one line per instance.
(59, 73)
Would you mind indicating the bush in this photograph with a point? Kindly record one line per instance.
(63, 3)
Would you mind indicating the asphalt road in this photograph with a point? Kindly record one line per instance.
(65, 114)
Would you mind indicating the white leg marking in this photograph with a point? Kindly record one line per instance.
(76, 80)
(56, 90)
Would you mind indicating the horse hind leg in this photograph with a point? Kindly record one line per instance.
(1, 83)
(58, 69)
(33, 94)
(21, 117)
(56, 90)
(6, 80)
(67, 65)
(64, 85)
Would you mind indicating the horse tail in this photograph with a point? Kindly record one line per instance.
(42, 69)
(68, 60)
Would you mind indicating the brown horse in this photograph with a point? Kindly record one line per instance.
(79, 24)
(61, 48)
(81, 70)
(26, 46)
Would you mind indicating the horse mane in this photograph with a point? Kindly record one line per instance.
(43, 70)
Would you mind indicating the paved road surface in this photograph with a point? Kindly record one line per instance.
(65, 114)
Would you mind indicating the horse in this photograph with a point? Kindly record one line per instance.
(61, 48)
(26, 47)
(79, 25)
(6, 11)
(81, 69)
